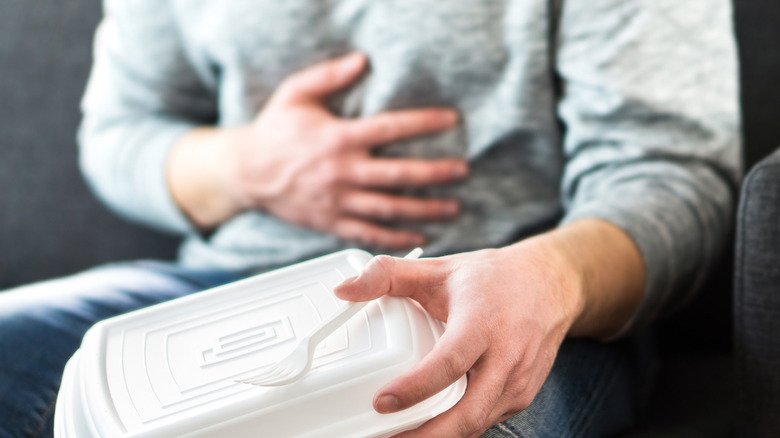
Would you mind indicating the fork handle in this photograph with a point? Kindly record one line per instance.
(345, 312)
(334, 321)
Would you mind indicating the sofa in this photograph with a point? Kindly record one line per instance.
(756, 292)
(719, 372)
(757, 300)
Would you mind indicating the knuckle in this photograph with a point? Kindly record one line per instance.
(454, 365)
(328, 201)
(395, 174)
(387, 127)
(289, 86)
(383, 263)
(386, 212)
(335, 140)
(323, 221)
(344, 229)
(331, 172)
(523, 402)
(382, 210)
(469, 425)
(381, 238)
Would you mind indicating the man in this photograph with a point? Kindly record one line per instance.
(270, 132)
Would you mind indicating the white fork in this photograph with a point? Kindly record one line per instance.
(296, 364)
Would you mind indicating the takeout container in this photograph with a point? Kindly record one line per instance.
(171, 370)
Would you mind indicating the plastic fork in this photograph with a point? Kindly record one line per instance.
(296, 364)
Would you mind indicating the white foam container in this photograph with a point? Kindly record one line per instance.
(170, 370)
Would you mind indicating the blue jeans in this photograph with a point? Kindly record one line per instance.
(591, 392)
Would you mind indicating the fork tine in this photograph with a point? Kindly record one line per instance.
(260, 382)
(281, 374)
(279, 381)
(276, 373)
(255, 379)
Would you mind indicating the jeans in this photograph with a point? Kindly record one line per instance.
(593, 389)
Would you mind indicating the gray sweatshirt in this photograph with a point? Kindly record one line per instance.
(623, 110)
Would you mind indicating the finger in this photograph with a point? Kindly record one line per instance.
(472, 414)
(393, 126)
(526, 382)
(387, 207)
(386, 275)
(400, 173)
(454, 354)
(358, 230)
(323, 79)
(512, 402)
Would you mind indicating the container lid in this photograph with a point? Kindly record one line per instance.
(171, 369)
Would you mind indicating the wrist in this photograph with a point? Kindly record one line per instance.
(609, 270)
(198, 177)
(560, 266)
(573, 267)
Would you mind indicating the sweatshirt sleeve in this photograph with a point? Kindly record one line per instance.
(649, 100)
(142, 96)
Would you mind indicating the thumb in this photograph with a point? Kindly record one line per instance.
(323, 79)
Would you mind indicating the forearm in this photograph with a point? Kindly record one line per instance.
(605, 271)
(653, 160)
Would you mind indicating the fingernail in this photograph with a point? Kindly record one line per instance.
(387, 404)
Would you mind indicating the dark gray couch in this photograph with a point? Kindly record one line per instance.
(756, 295)
(757, 300)
(50, 225)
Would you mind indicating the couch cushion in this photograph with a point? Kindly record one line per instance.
(50, 224)
(757, 300)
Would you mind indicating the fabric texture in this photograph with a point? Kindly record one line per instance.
(50, 223)
(41, 326)
(757, 301)
(593, 390)
(648, 96)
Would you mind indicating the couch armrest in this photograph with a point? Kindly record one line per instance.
(757, 301)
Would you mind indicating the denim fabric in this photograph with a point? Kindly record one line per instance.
(590, 392)
(594, 390)
(41, 326)
(757, 302)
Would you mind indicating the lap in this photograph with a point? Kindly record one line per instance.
(41, 326)
(594, 390)
(591, 390)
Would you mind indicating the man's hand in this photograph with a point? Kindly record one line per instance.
(304, 165)
(507, 312)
